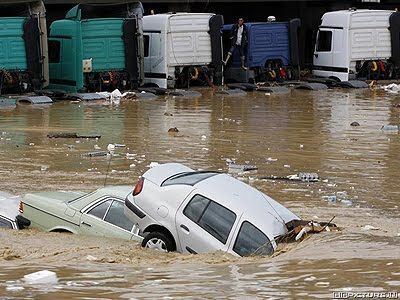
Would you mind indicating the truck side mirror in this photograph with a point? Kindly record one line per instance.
(314, 35)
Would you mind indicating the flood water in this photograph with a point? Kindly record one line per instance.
(282, 134)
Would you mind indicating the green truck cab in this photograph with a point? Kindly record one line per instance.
(97, 48)
(23, 46)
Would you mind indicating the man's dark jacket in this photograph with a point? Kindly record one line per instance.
(234, 32)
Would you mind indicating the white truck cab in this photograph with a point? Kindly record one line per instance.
(355, 43)
(179, 46)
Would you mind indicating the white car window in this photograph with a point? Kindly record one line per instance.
(211, 216)
(5, 223)
(116, 216)
(196, 207)
(251, 241)
(100, 210)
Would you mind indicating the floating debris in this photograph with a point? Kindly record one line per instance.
(119, 145)
(311, 278)
(129, 96)
(91, 258)
(241, 168)
(94, 154)
(41, 277)
(153, 164)
(354, 124)
(303, 176)
(370, 227)
(390, 127)
(310, 177)
(183, 93)
(392, 88)
(168, 114)
(71, 136)
(331, 198)
(346, 202)
(174, 129)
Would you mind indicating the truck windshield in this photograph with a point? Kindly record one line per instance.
(188, 178)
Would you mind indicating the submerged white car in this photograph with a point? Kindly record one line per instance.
(179, 209)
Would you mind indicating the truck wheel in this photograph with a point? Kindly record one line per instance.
(158, 241)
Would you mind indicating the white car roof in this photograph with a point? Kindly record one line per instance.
(241, 197)
(9, 205)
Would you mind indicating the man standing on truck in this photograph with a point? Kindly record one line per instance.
(239, 41)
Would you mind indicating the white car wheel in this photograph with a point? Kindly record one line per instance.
(157, 244)
(158, 241)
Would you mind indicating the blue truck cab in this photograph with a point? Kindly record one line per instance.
(272, 51)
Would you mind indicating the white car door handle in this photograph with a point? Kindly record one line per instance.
(87, 224)
(185, 228)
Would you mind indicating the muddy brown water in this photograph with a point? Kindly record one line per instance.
(280, 134)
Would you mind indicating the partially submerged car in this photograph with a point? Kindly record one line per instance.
(98, 213)
(179, 209)
(9, 212)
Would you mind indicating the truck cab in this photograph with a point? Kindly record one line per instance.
(97, 48)
(353, 44)
(272, 51)
(182, 49)
(23, 46)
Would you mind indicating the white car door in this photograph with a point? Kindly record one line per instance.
(203, 225)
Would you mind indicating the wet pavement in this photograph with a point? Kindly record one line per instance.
(281, 134)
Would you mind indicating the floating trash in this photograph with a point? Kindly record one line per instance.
(174, 129)
(390, 127)
(242, 168)
(94, 154)
(311, 177)
(41, 277)
(71, 136)
(370, 227)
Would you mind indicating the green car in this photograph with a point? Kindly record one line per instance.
(98, 213)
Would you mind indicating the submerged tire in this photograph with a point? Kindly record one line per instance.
(158, 241)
